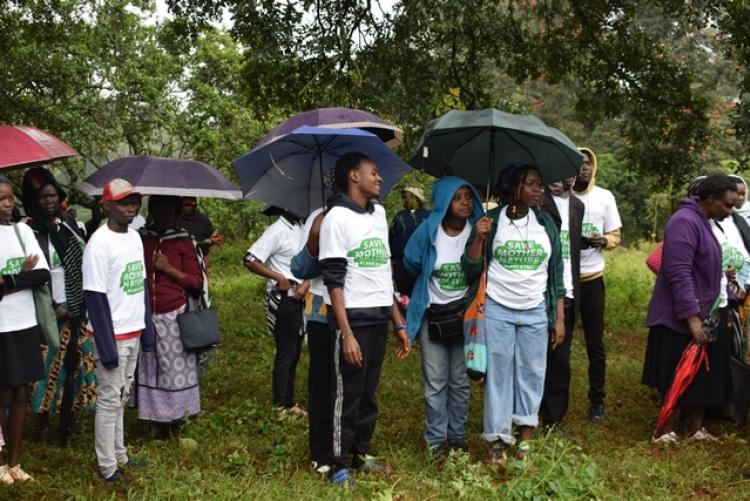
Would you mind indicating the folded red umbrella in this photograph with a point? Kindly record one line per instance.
(24, 146)
(687, 368)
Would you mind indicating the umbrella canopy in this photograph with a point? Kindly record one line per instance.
(339, 118)
(477, 145)
(289, 171)
(163, 176)
(24, 146)
(687, 368)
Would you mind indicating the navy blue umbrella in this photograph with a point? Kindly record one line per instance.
(289, 171)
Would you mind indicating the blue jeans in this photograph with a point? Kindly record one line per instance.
(516, 363)
(446, 388)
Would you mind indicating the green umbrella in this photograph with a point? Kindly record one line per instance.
(477, 145)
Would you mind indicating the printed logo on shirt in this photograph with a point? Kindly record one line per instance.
(565, 242)
(56, 259)
(520, 255)
(13, 266)
(450, 277)
(589, 229)
(131, 280)
(371, 253)
(731, 256)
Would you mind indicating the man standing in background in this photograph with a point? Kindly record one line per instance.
(199, 226)
(404, 223)
(601, 230)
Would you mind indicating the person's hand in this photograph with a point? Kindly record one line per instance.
(30, 263)
(558, 335)
(161, 263)
(403, 347)
(61, 312)
(483, 226)
(217, 238)
(731, 274)
(282, 284)
(301, 291)
(696, 330)
(597, 240)
(352, 352)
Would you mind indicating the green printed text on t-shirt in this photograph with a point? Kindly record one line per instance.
(731, 256)
(131, 280)
(371, 253)
(13, 266)
(450, 277)
(56, 259)
(520, 255)
(589, 229)
(565, 242)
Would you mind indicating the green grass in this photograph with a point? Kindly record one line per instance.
(239, 449)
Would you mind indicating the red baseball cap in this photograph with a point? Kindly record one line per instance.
(118, 189)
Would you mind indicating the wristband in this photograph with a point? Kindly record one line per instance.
(345, 335)
(399, 327)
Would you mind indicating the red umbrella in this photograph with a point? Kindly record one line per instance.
(24, 146)
(687, 368)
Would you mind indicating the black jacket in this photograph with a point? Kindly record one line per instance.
(575, 225)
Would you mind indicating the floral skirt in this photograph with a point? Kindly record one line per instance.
(167, 380)
(48, 393)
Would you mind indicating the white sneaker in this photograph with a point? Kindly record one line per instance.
(703, 434)
(5, 477)
(19, 475)
(667, 438)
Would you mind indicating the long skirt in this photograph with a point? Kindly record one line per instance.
(167, 381)
(663, 352)
(48, 393)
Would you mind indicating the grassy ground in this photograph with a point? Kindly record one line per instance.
(239, 449)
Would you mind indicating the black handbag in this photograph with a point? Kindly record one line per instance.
(199, 328)
(446, 320)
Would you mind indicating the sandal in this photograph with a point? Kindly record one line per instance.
(665, 439)
(19, 475)
(703, 435)
(5, 477)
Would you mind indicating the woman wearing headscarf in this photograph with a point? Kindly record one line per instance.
(435, 313)
(70, 384)
(167, 382)
(524, 305)
(691, 283)
(22, 268)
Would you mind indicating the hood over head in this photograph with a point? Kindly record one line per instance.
(442, 194)
(592, 181)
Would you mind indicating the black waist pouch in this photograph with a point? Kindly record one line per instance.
(446, 320)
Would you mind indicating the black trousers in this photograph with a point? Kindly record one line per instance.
(592, 318)
(319, 387)
(286, 333)
(557, 379)
(355, 405)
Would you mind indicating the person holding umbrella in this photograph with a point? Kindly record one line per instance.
(435, 312)
(71, 379)
(524, 309)
(22, 267)
(689, 285)
(355, 262)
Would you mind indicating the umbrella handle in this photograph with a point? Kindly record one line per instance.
(490, 172)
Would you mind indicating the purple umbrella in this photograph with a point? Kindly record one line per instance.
(163, 176)
(338, 118)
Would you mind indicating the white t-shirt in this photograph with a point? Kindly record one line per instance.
(277, 246)
(317, 286)
(138, 222)
(57, 275)
(361, 239)
(113, 264)
(724, 243)
(563, 208)
(447, 282)
(734, 252)
(517, 275)
(17, 310)
(600, 217)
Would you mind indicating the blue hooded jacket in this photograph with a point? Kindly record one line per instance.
(420, 254)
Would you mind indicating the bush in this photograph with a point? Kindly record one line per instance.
(629, 285)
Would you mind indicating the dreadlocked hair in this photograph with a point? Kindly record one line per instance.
(511, 184)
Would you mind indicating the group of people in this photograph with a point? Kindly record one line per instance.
(116, 294)
(536, 260)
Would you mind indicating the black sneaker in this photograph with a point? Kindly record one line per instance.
(118, 477)
(596, 411)
(458, 445)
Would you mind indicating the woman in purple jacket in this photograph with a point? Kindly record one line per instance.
(687, 286)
